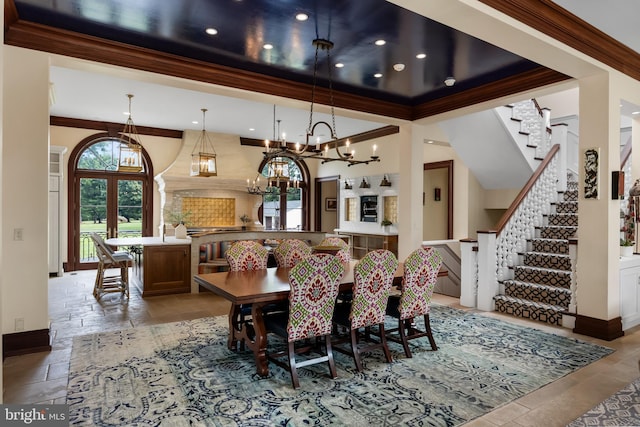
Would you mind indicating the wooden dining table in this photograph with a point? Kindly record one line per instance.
(259, 288)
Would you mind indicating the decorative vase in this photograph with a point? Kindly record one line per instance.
(626, 251)
(181, 231)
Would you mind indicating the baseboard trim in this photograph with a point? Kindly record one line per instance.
(25, 342)
(607, 330)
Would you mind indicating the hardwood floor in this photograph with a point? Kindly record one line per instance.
(42, 377)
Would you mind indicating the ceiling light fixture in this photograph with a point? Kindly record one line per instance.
(317, 150)
(421, 55)
(268, 46)
(302, 16)
(377, 75)
(203, 156)
(339, 65)
(211, 31)
(449, 81)
(635, 113)
(398, 67)
(380, 42)
(130, 158)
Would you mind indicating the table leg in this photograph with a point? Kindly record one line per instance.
(234, 328)
(259, 345)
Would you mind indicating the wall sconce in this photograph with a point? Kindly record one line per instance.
(364, 184)
(385, 182)
(436, 194)
(347, 185)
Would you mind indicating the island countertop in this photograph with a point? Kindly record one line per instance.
(147, 241)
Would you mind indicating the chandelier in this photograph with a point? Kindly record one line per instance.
(311, 150)
(203, 156)
(130, 158)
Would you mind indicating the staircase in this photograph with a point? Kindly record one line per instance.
(540, 288)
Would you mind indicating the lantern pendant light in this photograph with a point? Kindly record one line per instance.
(203, 157)
(130, 159)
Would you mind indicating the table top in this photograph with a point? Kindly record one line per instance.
(147, 241)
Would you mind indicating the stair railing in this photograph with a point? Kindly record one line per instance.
(536, 122)
(498, 251)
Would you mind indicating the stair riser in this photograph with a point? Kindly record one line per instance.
(567, 207)
(529, 312)
(547, 261)
(563, 220)
(550, 246)
(555, 296)
(559, 279)
(557, 232)
(571, 196)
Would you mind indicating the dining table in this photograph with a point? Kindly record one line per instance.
(258, 288)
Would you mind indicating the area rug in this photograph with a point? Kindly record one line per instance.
(621, 409)
(181, 374)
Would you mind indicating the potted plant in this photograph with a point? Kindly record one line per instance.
(245, 220)
(626, 247)
(385, 224)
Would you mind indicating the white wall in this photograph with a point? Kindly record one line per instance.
(1, 202)
(25, 178)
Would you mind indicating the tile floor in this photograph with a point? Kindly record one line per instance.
(42, 377)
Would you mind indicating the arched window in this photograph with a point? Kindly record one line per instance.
(104, 200)
(287, 206)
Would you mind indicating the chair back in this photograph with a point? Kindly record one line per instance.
(373, 277)
(290, 252)
(420, 274)
(247, 255)
(343, 254)
(104, 252)
(314, 287)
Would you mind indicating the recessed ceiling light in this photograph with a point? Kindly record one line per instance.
(449, 81)
(635, 112)
(398, 67)
(429, 142)
(339, 65)
(268, 46)
(377, 75)
(252, 129)
(380, 42)
(211, 31)
(195, 122)
(126, 113)
(421, 55)
(302, 16)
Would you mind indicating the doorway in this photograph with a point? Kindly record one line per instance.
(327, 209)
(437, 201)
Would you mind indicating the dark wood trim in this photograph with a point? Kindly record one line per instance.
(468, 240)
(527, 187)
(607, 330)
(515, 84)
(111, 127)
(486, 232)
(26, 342)
(318, 199)
(448, 165)
(10, 14)
(558, 23)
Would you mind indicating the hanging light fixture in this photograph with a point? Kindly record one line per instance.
(130, 159)
(385, 182)
(314, 149)
(364, 183)
(203, 156)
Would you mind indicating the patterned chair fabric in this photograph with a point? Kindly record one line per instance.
(247, 255)
(290, 252)
(420, 275)
(314, 286)
(344, 253)
(373, 278)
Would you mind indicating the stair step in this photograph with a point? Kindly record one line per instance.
(557, 232)
(550, 246)
(541, 312)
(546, 260)
(563, 219)
(542, 276)
(539, 293)
(566, 207)
(571, 195)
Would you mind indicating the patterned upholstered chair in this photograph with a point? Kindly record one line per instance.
(314, 286)
(373, 277)
(245, 255)
(343, 253)
(291, 251)
(420, 274)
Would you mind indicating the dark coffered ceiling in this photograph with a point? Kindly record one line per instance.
(169, 37)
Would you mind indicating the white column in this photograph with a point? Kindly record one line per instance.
(487, 275)
(468, 273)
(410, 152)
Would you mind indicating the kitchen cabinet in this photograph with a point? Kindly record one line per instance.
(165, 269)
(361, 243)
(630, 292)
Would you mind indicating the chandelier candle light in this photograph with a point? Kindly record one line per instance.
(130, 159)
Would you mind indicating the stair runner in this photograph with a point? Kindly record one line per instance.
(540, 288)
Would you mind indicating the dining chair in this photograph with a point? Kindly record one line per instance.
(314, 285)
(109, 259)
(373, 276)
(420, 274)
(291, 251)
(245, 255)
(343, 253)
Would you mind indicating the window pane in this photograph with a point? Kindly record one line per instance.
(129, 208)
(93, 215)
(101, 156)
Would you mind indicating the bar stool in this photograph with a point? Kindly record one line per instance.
(109, 259)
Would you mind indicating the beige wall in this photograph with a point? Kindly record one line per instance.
(435, 212)
(1, 201)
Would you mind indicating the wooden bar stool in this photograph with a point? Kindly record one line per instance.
(109, 259)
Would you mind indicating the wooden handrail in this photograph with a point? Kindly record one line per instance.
(527, 187)
(535, 102)
(625, 153)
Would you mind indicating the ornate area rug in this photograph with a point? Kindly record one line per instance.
(621, 409)
(181, 374)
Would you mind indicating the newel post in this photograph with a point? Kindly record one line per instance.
(487, 270)
(469, 273)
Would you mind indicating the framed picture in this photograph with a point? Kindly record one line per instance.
(591, 169)
(330, 204)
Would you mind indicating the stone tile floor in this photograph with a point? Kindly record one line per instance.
(42, 377)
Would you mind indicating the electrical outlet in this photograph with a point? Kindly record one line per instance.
(19, 324)
(17, 234)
